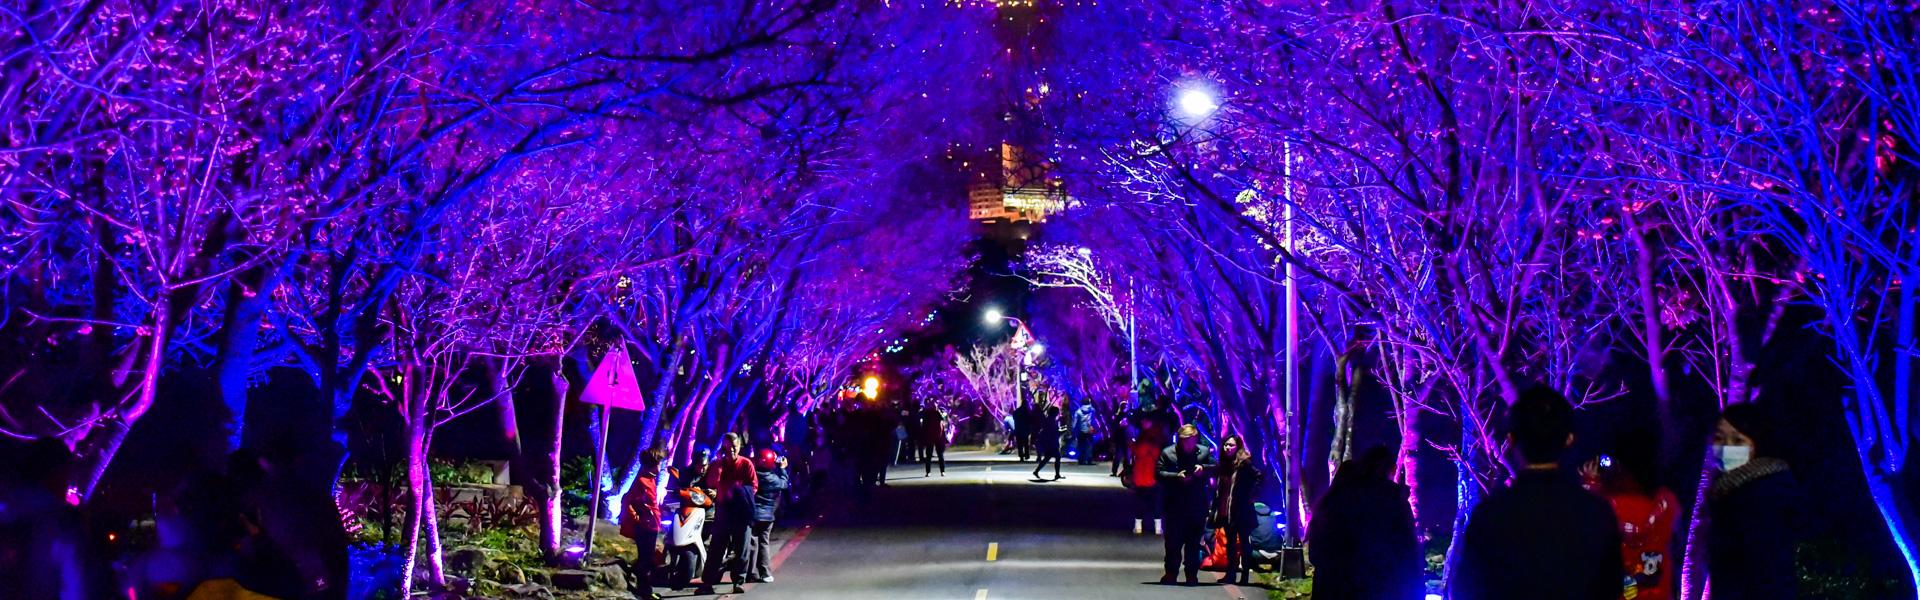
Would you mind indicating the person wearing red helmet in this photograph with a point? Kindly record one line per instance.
(771, 470)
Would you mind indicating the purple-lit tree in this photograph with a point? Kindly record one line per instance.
(991, 372)
(154, 186)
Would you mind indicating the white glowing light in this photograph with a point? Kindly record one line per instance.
(1197, 103)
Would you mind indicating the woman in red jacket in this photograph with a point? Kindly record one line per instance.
(640, 521)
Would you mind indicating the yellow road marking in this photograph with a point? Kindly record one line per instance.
(980, 595)
(993, 552)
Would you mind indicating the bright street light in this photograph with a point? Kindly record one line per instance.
(993, 317)
(1196, 103)
(871, 387)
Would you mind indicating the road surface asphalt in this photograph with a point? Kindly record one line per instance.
(985, 531)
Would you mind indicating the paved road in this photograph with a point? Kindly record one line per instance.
(984, 532)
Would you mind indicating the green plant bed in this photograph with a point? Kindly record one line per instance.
(1285, 589)
(1830, 568)
(466, 472)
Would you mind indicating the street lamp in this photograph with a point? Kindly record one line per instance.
(1195, 101)
(994, 318)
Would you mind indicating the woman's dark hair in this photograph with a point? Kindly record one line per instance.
(650, 461)
(1237, 440)
(1377, 463)
(1756, 424)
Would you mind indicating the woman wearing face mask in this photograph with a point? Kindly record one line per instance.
(1751, 508)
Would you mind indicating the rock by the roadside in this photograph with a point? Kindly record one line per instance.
(610, 576)
(529, 591)
(573, 579)
(509, 574)
(467, 560)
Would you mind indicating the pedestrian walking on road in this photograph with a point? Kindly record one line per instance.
(1023, 418)
(1542, 536)
(1752, 510)
(1239, 478)
(907, 429)
(1046, 440)
(640, 522)
(1083, 434)
(933, 438)
(1009, 429)
(771, 469)
(1361, 541)
(1119, 436)
(1183, 469)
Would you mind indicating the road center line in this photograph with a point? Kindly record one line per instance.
(993, 552)
(981, 594)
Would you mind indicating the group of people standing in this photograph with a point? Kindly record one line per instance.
(739, 496)
(1607, 531)
(1604, 531)
(921, 434)
(1187, 489)
(1042, 431)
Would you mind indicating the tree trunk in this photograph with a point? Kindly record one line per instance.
(1408, 459)
(1340, 447)
(1898, 510)
(419, 493)
(103, 449)
(551, 492)
(1466, 488)
(1693, 562)
(248, 296)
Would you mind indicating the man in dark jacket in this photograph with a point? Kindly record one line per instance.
(1542, 537)
(1182, 473)
(766, 504)
(1362, 541)
(1023, 429)
(728, 550)
(933, 438)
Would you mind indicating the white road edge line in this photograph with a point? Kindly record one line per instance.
(981, 594)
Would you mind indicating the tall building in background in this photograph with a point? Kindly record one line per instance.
(1023, 193)
(1025, 190)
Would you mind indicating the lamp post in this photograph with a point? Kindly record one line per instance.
(994, 318)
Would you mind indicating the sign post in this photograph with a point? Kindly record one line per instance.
(613, 386)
